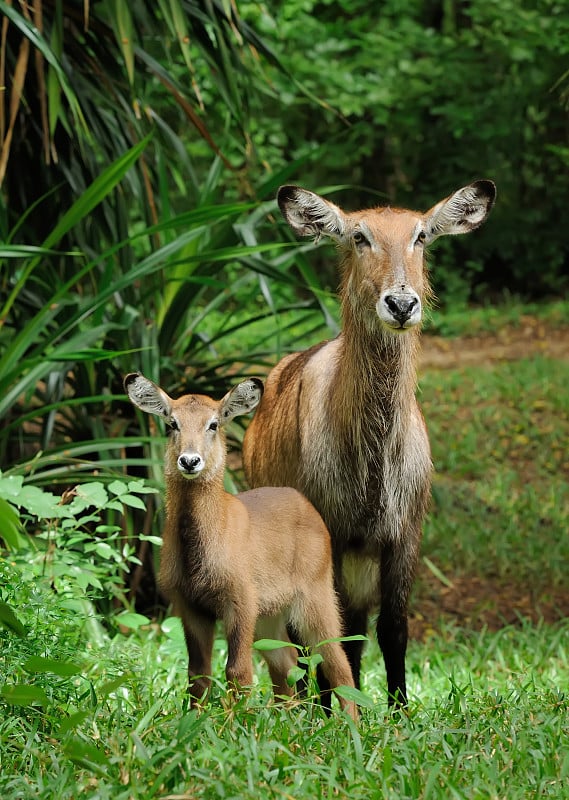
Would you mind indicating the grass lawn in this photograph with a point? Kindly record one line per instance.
(101, 712)
(488, 718)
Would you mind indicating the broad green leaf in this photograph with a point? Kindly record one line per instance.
(131, 620)
(311, 660)
(10, 526)
(270, 644)
(90, 494)
(9, 619)
(38, 664)
(21, 694)
(294, 675)
(357, 637)
(40, 503)
(133, 502)
(104, 550)
(172, 627)
(118, 487)
(355, 696)
(11, 485)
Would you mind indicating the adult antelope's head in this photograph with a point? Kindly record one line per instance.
(196, 444)
(383, 249)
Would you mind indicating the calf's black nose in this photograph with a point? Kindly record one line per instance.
(189, 463)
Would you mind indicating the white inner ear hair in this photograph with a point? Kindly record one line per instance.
(316, 215)
(148, 398)
(464, 209)
(468, 204)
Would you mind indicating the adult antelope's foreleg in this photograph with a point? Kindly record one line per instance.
(398, 562)
(355, 624)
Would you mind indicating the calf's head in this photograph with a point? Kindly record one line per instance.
(196, 444)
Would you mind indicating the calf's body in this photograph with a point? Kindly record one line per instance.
(259, 561)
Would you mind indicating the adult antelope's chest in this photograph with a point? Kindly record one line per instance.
(367, 478)
(344, 480)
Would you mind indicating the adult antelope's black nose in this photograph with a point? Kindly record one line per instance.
(400, 306)
(190, 463)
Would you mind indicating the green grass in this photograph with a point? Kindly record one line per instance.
(508, 311)
(499, 438)
(488, 717)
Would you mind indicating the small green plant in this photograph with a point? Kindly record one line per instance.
(306, 669)
(81, 541)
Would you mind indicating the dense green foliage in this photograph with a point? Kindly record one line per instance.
(429, 96)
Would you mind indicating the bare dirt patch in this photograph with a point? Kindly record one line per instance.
(531, 337)
(478, 603)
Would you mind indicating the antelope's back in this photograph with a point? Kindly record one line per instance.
(273, 444)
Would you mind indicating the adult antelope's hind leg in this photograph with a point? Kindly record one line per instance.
(355, 624)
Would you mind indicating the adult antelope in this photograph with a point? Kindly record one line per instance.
(259, 561)
(340, 421)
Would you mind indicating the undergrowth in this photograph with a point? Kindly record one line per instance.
(488, 716)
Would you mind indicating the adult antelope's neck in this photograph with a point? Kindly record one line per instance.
(376, 373)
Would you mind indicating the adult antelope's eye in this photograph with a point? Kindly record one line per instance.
(213, 425)
(359, 238)
(173, 425)
(421, 238)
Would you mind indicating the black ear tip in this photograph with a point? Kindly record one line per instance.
(487, 188)
(287, 194)
(130, 378)
(258, 384)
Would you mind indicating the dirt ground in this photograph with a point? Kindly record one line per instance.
(507, 344)
(475, 602)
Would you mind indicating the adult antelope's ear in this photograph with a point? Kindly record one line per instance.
(241, 399)
(147, 396)
(461, 212)
(308, 214)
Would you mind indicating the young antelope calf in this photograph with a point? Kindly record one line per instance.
(258, 561)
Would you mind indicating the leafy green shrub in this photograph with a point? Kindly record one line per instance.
(82, 542)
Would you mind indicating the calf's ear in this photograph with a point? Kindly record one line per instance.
(242, 399)
(147, 396)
